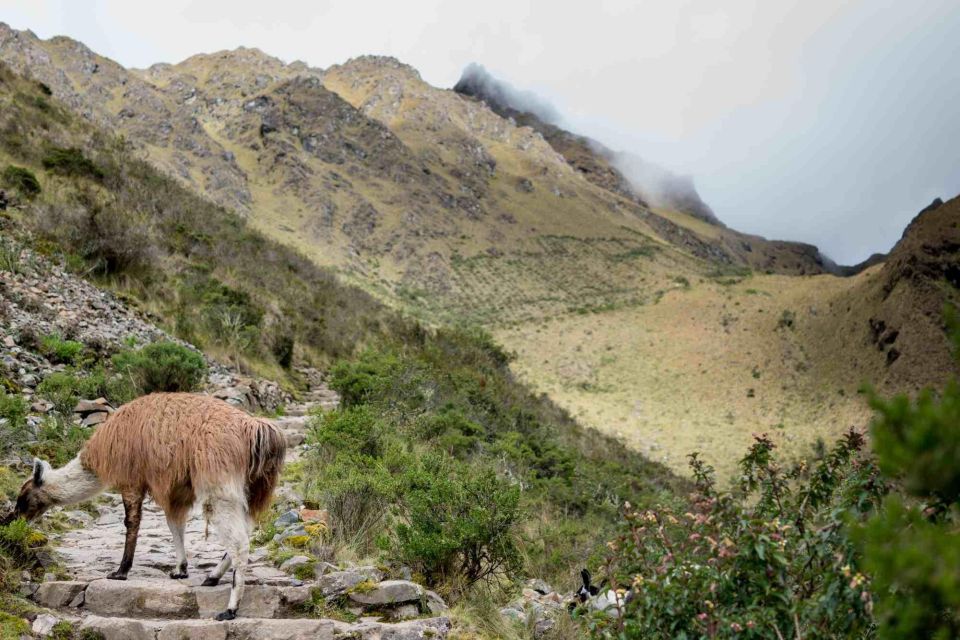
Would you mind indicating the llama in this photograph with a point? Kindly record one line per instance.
(181, 449)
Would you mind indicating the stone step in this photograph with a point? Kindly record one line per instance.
(122, 628)
(169, 599)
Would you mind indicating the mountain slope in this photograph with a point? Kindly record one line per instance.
(669, 330)
(679, 212)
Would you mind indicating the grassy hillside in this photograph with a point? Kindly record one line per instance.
(79, 196)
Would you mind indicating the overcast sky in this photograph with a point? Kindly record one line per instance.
(825, 121)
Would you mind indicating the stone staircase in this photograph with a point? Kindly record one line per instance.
(151, 606)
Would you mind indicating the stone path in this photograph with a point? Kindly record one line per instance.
(151, 606)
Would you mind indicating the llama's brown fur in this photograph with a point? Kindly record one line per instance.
(179, 446)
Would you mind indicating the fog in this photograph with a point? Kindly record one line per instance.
(831, 123)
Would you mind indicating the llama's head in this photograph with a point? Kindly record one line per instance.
(35, 497)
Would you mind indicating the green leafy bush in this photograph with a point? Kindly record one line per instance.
(65, 388)
(21, 179)
(772, 560)
(161, 366)
(71, 162)
(458, 524)
(13, 413)
(61, 351)
(912, 546)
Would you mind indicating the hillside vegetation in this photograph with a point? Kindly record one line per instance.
(439, 403)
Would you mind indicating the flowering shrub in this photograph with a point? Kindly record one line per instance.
(769, 560)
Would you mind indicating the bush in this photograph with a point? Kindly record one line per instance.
(772, 561)
(458, 523)
(161, 366)
(59, 350)
(71, 162)
(912, 546)
(22, 180)
(65, 388)
(13, 414)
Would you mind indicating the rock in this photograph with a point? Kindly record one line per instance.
(8, 341)
(512, 613)
(388, 592)
(193, 630)
(291, 564)
(286, 519)
(435, 603)
(293, 597)
(404, 612)
(315, 515)
(258, 601)
(78, 600)
(542, 627)
(539, 586)
(94, 419)
(141, 598)
(41, 406)
(58, 594)
(290, 532)
(292, 629)
(92, 406)
(339, 581)
(323, 568)
(43, 624)
(120, 628)
(432, 628)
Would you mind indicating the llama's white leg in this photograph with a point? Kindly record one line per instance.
(176, 530)
(229, 518)
(213, 578)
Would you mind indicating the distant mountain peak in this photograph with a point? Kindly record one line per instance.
(621, 172)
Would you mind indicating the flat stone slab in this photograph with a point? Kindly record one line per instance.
(174, 599)
(141, 599)
(261, 629)
(389, 592)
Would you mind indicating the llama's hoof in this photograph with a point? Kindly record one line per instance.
(210, 582)
(116, 575)
(179, 575)
(229, 614)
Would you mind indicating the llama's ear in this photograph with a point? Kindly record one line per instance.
(585, 576)
(40, 469)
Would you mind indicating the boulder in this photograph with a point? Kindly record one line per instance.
(93, 419)
(286, 519)
(388, 592)
(140, 598)
(337, 582)
(43, 624)
(59, 593)
(290, 565)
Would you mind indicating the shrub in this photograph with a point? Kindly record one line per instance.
(22, 180)
(13, 413)
(59, 350)
(912, 546)
(71, 162)
(65, 388)
(771, 561)
(161, 366)
(458, 523)
(358, 492)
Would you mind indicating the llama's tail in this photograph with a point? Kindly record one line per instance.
(267, 449)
